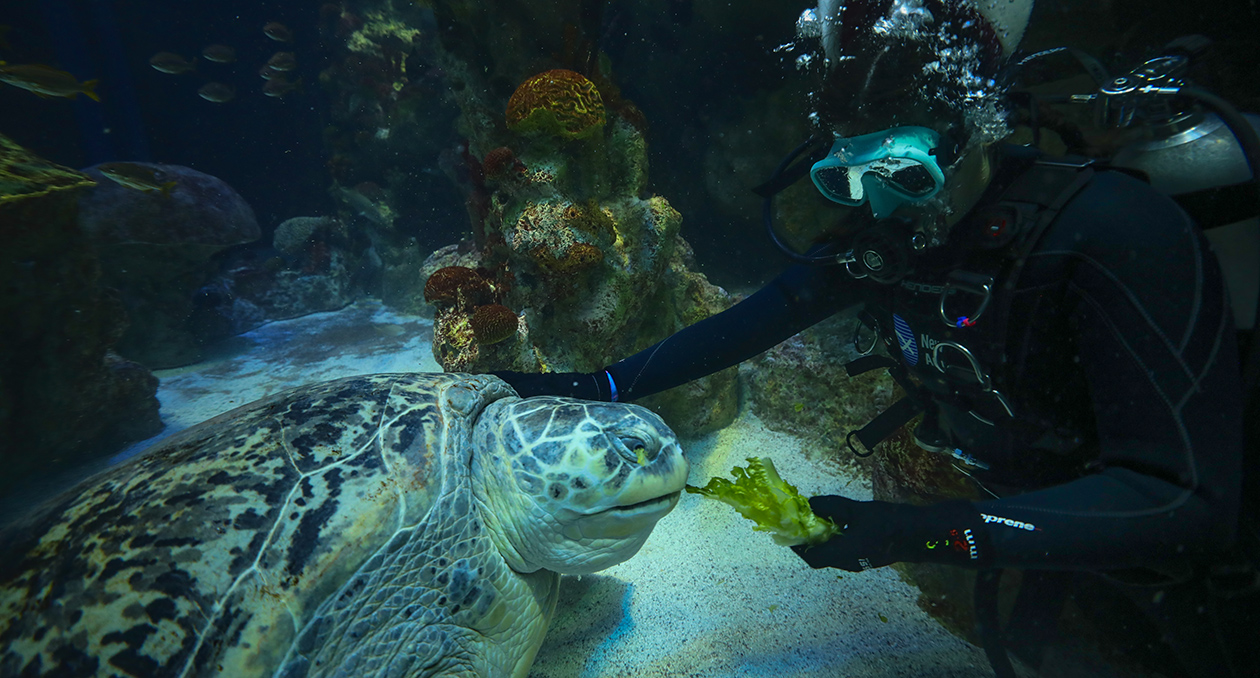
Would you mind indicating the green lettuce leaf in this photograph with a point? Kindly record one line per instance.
(760, 495)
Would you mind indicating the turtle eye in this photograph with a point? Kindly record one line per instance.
(635, 449)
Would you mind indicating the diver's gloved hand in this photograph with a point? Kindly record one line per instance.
(879, 533)
(584, 385)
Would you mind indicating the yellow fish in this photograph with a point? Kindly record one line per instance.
(135, 176)
(47, 82)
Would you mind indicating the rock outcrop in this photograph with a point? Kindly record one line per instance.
(65, 396)
(156, 248)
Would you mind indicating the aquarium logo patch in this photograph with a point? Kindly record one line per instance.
(905, 339)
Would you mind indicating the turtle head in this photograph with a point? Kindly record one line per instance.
(570, 485)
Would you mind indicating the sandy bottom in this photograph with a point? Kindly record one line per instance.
(706, 596)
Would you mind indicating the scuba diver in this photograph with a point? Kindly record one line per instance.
(1062, 326)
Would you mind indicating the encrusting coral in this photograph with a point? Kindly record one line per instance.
(501, 163)
(457, 285)
(294, 235)
(578, 256)
(468, 316)
(493, 323)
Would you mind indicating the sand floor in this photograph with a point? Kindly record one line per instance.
(706, 597)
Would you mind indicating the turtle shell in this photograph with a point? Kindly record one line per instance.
(213, 553)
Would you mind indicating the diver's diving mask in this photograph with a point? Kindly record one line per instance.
(886, 169)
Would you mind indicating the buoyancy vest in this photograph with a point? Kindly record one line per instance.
(948, 329)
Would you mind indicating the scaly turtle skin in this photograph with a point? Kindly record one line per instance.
(400, 525)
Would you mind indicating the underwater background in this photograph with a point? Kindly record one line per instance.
(363, 186)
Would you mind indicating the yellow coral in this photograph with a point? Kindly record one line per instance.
(558, 102)
(378, 30)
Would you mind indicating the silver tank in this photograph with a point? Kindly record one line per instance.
(1200, 152)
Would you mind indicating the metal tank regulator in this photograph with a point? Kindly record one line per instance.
(1135, 96)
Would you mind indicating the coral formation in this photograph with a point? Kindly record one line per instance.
(492, 323)
(293, 236)
(578, 256)
(563, 227)
(598, 270)
(557, 102)
(501, 163)
(459, 286)
(455, 346)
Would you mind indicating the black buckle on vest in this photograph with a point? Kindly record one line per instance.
(891, 419)
(883, 425)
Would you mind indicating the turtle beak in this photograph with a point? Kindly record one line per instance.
(628, 520)
(666, 501)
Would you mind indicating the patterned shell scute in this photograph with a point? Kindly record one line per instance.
(213, 550)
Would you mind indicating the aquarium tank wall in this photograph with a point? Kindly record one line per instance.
(418, 338)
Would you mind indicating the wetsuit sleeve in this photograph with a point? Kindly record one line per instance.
(796, 299)
(1156, 340)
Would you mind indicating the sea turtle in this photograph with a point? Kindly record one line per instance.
(387, 525)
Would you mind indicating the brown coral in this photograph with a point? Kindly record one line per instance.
(559, 102)
(456, 285)
(501, 163)
(493, 323)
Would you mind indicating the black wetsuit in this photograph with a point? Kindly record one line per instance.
(1120, 344)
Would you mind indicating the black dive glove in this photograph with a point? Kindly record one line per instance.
(584, 385)
(879, 533)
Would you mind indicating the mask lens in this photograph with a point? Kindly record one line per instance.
(840, 184)
(907, 176)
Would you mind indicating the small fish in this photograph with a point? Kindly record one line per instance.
(278, 31)
(282, 61)
(279, 88)
(47, 82)
(220, 54)
(136, 176)
(217, 92)
(169, 62)
(363, 207)
(265, 72)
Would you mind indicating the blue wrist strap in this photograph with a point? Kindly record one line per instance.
(612, 386)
